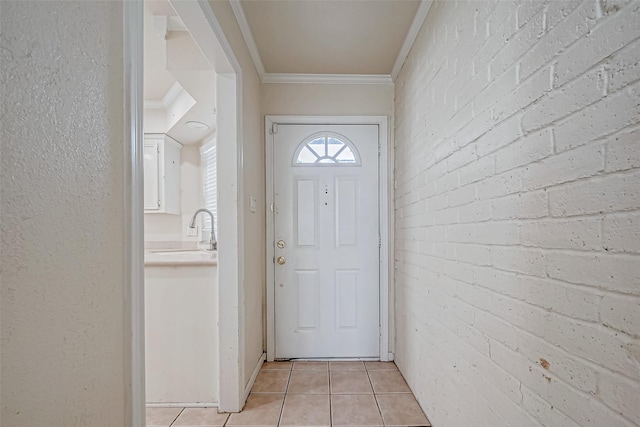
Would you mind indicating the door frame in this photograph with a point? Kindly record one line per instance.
(206, 30)
(385, 165)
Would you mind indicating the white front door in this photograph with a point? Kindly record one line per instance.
(326, 229)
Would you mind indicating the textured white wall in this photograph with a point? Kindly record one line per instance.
(517, 214)
(63, 297)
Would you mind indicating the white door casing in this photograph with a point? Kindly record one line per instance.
(330, 297)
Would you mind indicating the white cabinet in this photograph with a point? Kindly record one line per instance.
(181, 334)
(161, 174)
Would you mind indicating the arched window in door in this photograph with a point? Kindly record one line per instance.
(326, 149)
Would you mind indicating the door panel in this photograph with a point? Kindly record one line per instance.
(326, 213)
(347, 299)
(307, 282)
(346, 211)
(305, 206)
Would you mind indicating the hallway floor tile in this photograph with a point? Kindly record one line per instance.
(346, 394)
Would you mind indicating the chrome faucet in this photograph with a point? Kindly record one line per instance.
(213, 244)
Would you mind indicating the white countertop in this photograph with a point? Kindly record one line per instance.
(180, 257)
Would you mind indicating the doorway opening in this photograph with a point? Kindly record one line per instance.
(201, 23)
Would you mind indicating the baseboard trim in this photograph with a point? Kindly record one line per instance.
(331, 359)
(183, 405)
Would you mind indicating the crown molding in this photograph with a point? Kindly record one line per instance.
(172, 94)
(238, 11)
(167, 99)
(327, 78)
(414, 29)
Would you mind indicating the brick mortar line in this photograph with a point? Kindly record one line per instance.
(594, 365)
(593, 289)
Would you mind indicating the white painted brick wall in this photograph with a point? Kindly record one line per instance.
(517, 208)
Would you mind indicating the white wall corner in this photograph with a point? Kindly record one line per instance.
(248, 37)
(414, 29)
(254, 375)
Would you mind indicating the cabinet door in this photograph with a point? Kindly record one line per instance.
(151, 177)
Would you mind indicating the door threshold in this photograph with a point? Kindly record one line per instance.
(331, 359)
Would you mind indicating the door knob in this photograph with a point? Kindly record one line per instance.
(280, 244)
(281, 260)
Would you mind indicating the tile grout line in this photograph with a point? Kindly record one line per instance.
(330, 394)
(177, 416)
(375, 395)
(226, 422)
(284, 397)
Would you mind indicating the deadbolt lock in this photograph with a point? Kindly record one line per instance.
(281, 260)
(280, 244)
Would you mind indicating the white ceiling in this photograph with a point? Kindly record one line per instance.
(359, 37)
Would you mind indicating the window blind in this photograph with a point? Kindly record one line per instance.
(209, 181)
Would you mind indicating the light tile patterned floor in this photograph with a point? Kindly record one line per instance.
(362, 394)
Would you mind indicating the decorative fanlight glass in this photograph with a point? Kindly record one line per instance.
(326, 149)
